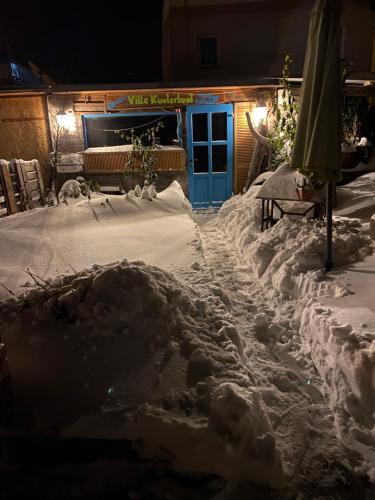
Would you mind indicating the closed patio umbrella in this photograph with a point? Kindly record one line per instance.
(316, 151)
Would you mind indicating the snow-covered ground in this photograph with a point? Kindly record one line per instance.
(248, 362)
(56, 240)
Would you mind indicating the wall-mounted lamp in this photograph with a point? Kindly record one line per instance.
(260, 113)
(66, 120)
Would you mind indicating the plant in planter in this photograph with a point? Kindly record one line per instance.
(141, 158)
(306, 187)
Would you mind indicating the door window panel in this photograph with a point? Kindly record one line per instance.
(200, 127)
(200, 155)
(219, 158)
(219, 126)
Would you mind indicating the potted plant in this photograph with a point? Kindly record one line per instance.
(305, 187)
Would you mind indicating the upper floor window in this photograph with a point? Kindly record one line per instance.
(208, 50)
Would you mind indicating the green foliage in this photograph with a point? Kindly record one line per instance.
(285, 113)
(350, 122)
(87, 186)
(142, 156)
(51, 197)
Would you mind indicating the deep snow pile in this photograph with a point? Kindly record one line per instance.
(240, 218)
(357, 198)
(284, 255)
(103, 229)
(294, 247)
(288, 261)
(343, 351)
(163, 340)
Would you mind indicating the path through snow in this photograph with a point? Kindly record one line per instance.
(313, 458)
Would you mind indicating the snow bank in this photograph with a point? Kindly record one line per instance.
(289, 255)
(126, 147)
(343, 352)
(240, 218)
(294, 247)
(357, 198)
(111, 334)
(104, 229)
(289, 259)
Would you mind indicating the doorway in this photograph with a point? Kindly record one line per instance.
(210, 154)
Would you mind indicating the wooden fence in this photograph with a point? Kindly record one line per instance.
(171, 159)
(21, 186)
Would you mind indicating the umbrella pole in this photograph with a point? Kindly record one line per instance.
(329, 196)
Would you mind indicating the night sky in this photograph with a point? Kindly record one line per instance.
(100, 42)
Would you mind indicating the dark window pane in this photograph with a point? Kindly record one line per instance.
(98, 130)
(199, 127)
(208, 46)
(200, 154)
(219, 126)
(219, 158)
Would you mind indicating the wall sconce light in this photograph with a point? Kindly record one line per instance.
(66, 120)
(260, 113)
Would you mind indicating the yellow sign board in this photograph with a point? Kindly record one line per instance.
(159, 99)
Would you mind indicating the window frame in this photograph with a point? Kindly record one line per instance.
(200, 38)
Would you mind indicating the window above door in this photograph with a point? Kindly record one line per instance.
(208, 51)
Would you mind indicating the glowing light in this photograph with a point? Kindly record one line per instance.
(67, 121)
(259, 115)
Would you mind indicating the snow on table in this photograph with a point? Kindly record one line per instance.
(127, 147)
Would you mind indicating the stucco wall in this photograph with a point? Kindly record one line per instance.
(253, 38)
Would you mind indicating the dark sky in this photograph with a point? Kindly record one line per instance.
(97, 42)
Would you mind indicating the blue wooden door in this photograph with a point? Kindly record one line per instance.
(210, 154)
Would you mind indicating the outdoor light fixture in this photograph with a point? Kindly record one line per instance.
(260, 113)
(66, 120)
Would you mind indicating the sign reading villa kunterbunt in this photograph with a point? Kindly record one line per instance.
(159, 99)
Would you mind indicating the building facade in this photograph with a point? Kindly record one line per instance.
(213, 52)
(206, 40)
